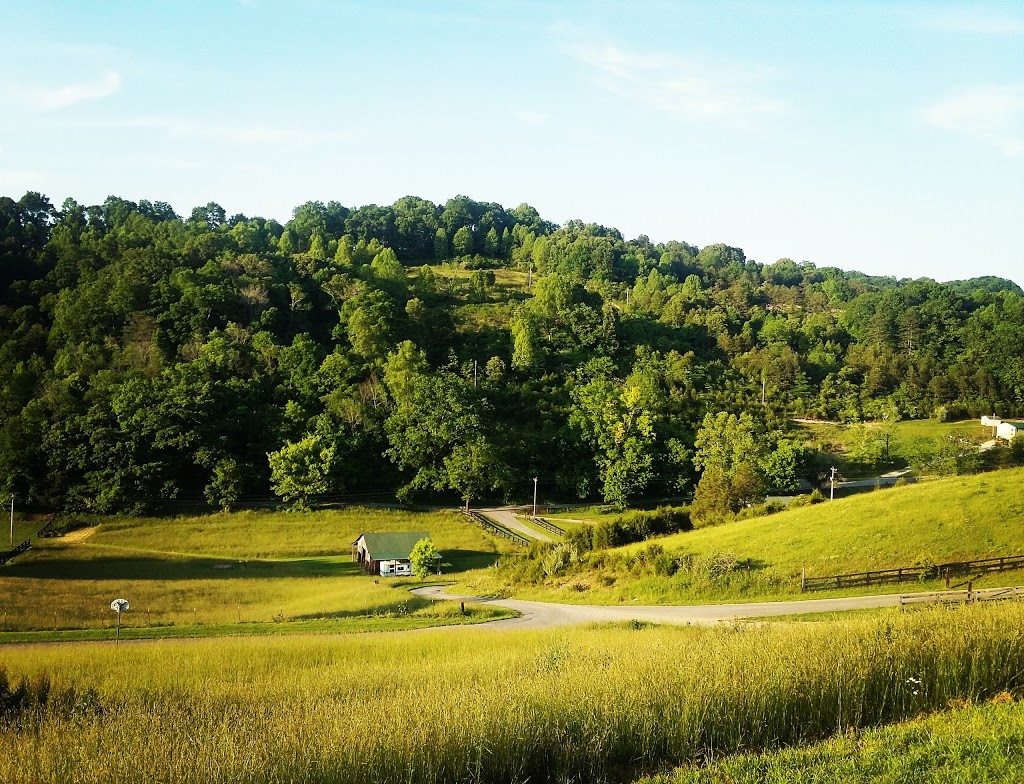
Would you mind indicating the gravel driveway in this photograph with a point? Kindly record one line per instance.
(538, 615)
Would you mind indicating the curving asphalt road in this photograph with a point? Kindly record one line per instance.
(538, 615)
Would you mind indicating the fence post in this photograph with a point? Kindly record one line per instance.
(803, 579)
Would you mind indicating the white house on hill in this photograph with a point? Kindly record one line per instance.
(1009, 430)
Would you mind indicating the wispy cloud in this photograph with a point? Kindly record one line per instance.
(694, 91)
(50, 99)
(176, 127)
(992, 114)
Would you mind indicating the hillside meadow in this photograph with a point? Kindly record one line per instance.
(970, 743)
(462, 705)
(230, 572)
(966, 517)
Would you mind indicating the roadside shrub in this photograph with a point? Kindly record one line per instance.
(580, 537)
(760, 510)
(639, 525)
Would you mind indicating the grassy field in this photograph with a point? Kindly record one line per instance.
(910, 429)
(970, 743)
(930, 522)
(834, 440)
(459, 705)
(228, 571)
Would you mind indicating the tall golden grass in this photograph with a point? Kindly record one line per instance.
(489, 706)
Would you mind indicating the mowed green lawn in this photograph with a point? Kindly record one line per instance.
(216, 570)
(958, 518)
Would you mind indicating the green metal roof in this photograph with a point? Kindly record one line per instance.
(393, 545)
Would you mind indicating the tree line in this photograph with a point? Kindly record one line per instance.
(462, 347)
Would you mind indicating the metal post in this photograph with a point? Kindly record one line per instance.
(832, 485)
(12, 521)
(117, 639)
(535, 496)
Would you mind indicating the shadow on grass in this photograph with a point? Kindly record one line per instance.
(465, 560)
(106, 567)
(94, 564)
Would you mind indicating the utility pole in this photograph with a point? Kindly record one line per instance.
(529, 276)
(474, 374)
(535, 496)
(832, 485)
(12, 521)
(762, 387)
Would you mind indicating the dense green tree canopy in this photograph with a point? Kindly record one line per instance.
(460, 348)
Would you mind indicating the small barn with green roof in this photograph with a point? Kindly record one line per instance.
(386, 554)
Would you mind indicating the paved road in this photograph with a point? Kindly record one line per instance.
(507, 517)
(537, 615)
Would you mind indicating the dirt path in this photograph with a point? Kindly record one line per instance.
(507, 517)
(539, 615)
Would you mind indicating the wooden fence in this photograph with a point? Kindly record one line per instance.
(547, 525)
(963, 597)
(912, 573)
(493, 527)
(21, 548)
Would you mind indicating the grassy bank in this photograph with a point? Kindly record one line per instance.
(932, 522)
(458, 706)
(971, 743)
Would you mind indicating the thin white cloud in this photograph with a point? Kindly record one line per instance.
(48, 99)
(992, 114)
(691, 90)
(176, 127)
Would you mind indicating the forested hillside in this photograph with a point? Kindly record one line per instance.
(461, 347)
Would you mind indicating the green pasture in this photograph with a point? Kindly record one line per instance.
(970, 743)
(592, 704)
(835, 440)
(219, 571)
(958, 518)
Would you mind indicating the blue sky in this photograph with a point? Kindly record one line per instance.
(883, 137)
